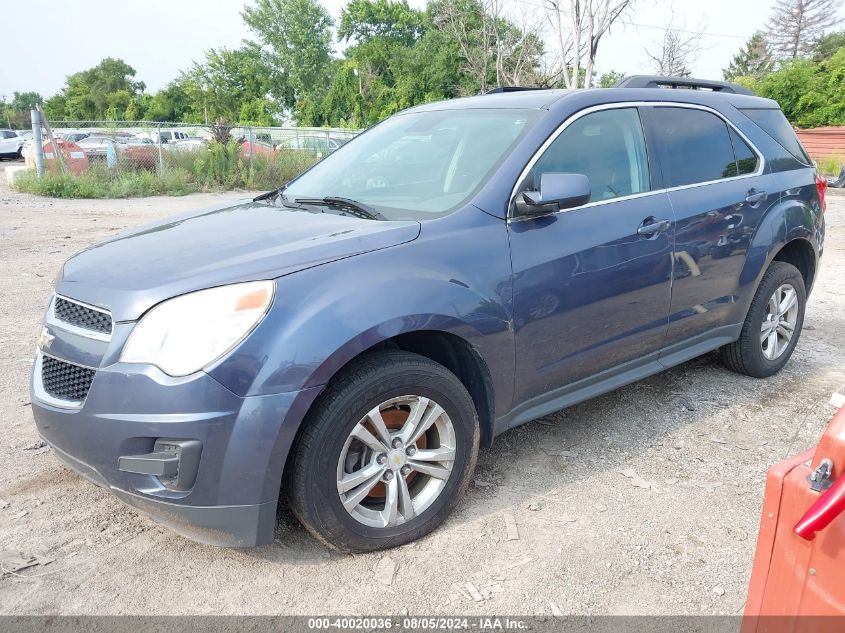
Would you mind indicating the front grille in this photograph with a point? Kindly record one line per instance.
(65, 381)
(82, 316)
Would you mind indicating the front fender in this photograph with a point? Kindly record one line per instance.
(454, 278)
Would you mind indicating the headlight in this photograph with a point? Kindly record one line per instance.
(185, 334)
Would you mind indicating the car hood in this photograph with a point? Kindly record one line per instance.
(135, 270)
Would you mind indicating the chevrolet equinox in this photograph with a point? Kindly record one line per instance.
(346, 343)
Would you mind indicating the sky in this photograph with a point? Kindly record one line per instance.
(161, 37)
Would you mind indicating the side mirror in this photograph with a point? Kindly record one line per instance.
(557, 191)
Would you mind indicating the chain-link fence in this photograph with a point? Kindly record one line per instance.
(203, 155)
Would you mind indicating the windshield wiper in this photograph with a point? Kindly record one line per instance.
(269, 195)
(353, 207)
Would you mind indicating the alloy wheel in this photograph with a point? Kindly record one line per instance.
(396, 461)
(779, 322)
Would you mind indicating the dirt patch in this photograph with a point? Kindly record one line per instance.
(550, 519)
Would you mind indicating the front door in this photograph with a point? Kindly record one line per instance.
(592, 285)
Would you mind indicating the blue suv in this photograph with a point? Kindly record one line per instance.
(347, 342)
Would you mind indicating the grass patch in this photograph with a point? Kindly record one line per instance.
(218, 168)
(831, 165)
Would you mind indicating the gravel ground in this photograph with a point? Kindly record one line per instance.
(673, 534)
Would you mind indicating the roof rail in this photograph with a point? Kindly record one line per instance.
(501, 89)
(689, 83)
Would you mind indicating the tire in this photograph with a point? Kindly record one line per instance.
(747, 355)
(313, 481)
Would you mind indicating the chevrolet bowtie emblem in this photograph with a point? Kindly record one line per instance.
(45, 340)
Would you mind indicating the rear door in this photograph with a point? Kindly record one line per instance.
(592, 284)
(719, 195)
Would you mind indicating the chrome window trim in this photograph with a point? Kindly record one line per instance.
(38, 385)
(52, 320)
(761, 161)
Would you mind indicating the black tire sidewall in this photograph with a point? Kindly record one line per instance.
(781, 274)
(323, 506)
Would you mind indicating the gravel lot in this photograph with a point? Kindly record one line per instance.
(673, 535)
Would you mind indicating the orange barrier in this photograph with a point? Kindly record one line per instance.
(799, 565)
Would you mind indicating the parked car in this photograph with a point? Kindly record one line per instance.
(257, 148)
(347, 342)
(75, 137)
(140, 152)
(168, 136)
(96, 146)
(10, 144)
(315, 143)
(190, 144)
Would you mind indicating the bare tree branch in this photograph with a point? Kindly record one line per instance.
(796, 25)
(677, 51)
(578, 38)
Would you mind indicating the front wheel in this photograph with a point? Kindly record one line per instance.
(386, 454)
(772, 326)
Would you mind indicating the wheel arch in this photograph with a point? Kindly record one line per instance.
(786, 233)
(800, 253)
(446, 348)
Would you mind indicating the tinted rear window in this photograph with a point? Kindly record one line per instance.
(774, 123)
(694, 146)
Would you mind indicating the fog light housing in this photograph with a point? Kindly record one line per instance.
(174, 462)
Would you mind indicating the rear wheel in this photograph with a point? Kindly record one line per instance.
(386, 454)
(772, 326)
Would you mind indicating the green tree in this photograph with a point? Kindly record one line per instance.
(365, 20)
(173, 103)
(810, 93)
(754, 60)
(102, 92)
(788, 86)
(610, 79)
(828, 45)
(299, 36)
(232, 85)
(15, 113)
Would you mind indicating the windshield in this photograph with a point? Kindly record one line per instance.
(417, 165)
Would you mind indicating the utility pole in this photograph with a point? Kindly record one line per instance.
(37, 145)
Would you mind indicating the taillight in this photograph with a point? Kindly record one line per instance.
(821, 185)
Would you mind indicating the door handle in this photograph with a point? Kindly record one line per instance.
(754, 196)
(650, 227)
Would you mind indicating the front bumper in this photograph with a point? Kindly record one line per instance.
(245, 442)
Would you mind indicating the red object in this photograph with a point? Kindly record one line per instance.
(829, 506)
(799, 565)
(74, 158)
(821, 185)
(144, 155)
(257, 148)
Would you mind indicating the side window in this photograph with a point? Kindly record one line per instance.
(694, 146)
(606, 146)
(746, 159)
(774, 123)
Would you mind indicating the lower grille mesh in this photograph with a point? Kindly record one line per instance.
(65, 381)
